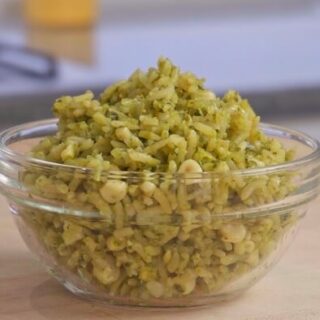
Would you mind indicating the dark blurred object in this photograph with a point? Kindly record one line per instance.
(27, 62)
(61, 13)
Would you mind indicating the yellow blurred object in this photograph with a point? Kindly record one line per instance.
(61, 13)
(68, 44)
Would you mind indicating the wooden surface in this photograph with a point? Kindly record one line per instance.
(290, 292)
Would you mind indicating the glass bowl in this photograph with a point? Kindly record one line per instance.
(156, 239)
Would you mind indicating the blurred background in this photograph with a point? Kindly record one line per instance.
(269, 50)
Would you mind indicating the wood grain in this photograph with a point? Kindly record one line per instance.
(290, 292)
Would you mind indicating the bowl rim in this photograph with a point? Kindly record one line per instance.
(13, 134)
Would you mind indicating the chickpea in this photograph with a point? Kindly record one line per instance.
(148, 188)
(188, 167)
(233, 232)
(155, 288)
(114, 191)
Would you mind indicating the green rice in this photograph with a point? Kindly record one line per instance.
(156, 118)
(157, 236)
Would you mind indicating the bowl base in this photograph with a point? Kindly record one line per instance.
(192, 302)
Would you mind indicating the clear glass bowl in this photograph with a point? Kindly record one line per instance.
(155, 239)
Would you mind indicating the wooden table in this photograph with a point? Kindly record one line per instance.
(290, 292)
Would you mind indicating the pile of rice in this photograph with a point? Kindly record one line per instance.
(155, 121)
